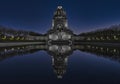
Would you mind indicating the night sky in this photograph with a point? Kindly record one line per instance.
(36, 15)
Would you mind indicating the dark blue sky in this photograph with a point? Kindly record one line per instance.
(36, 15)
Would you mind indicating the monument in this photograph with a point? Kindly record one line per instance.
(59, 31)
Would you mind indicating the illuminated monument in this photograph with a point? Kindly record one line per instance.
(60, 31)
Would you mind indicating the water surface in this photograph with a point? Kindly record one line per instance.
(60, 64)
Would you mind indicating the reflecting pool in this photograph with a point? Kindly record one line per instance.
(60, 64)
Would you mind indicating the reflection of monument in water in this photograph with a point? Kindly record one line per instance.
(61, 53)
(59, 58)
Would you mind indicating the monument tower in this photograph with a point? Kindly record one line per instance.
(59, 19)
(59, 30)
